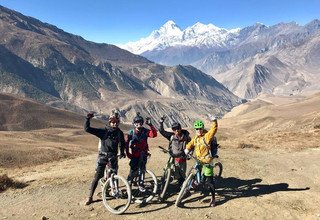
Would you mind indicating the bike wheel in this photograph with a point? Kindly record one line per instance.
(165, 180)
(116, 194)
(184, 188)
(150, 186)
(217, 169)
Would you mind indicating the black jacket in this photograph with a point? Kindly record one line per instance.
(110, 138)
(176, 144)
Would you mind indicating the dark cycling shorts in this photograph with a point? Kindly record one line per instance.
(110, 161)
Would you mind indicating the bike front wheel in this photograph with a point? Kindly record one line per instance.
(116, 194)
(217, 170)
(185, 188)
(150, 188)
(165, 180)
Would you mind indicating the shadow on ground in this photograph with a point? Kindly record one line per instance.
(235, 188)
(227, 189)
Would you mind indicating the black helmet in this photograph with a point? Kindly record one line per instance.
(138, 119)
(175, 126)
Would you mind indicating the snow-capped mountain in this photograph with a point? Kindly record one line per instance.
(171, 35)
(279, 59)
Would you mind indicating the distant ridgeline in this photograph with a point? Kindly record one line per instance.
(283, 59)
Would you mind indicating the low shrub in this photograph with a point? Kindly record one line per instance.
(317, 126)
(7, 182)
(244, 145)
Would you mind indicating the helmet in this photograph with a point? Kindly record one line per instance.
(175, 125)
(138, 119)
(198, 124)
(114, 118)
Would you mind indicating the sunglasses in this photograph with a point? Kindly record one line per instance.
(199, 129)
(176, 129)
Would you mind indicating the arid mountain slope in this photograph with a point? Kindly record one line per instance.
(42, 62)
(294, 124)
(17, 114)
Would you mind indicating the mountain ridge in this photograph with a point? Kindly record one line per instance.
(232, 58)
(83, 76)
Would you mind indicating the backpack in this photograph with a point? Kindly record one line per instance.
(180, 150)
(213, 148)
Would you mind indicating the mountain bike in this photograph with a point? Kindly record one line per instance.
(150, 185)
(194, 177)
(116, 192)
(167, 174)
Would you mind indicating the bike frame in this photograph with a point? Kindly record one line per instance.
(109, 174)
(195, 176)
(170, 162)
(198, 170)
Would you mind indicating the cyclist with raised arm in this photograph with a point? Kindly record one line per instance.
(178, 139)
(200, 144)
(137, 143)
(111, 138)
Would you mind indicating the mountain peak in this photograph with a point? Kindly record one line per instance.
(170, 28)
(203, 28)
(259, 24)
(170, 23)
(198, 24)
(170, 34)
(314, 24)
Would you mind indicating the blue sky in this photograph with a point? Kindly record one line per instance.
(120, 21)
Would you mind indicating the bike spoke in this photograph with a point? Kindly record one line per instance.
(117, 195)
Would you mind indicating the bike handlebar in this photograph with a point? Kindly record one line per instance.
(164, 150)
(197, 160)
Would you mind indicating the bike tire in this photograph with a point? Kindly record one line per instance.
(166, 181)
(218, 168)
(183, 189)
(151, 184)
(124, 199)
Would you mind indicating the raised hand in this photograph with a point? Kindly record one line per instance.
(162, 119)
(90, 115)
(148, 121)
(212, 117)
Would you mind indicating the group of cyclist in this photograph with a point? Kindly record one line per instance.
(134, 145)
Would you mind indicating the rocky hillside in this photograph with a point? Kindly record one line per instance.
(42, 62)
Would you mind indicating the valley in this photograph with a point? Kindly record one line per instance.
(270, 169)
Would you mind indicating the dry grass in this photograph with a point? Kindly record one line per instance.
(22, 158)
(20, 149)
(18, 114)
(245, 145)
(7, 182)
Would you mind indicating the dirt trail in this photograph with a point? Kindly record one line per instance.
(256, 184)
